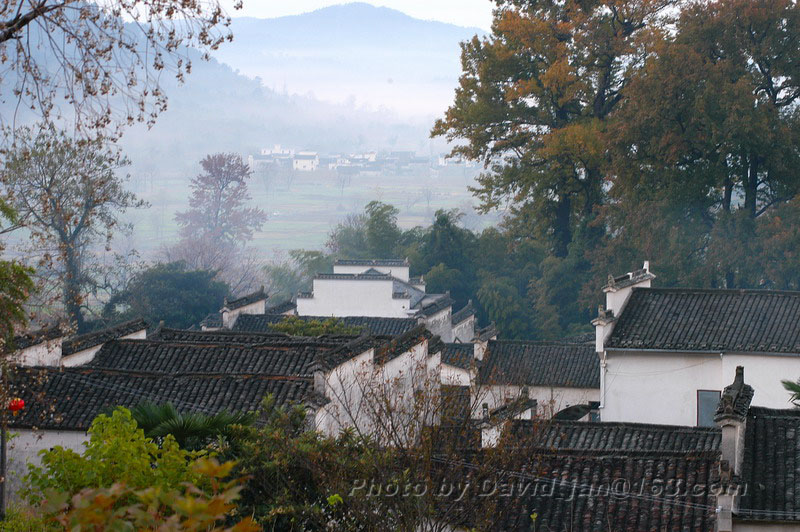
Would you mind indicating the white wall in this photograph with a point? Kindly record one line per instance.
(24, 446)
(44, 354)
(79, 358)
(382, 400)
(229, 316)
(662, 388)
(399, 272)
(550, 400)
(441, 325)
(465, 331)
(453, 376)
(345, 297)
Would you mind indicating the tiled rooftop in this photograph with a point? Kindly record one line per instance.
(755, 321)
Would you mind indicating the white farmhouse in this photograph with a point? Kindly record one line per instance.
(667, 353)
(51, 347)
(255, 303)
(535, 380)
(305, 161)
(383, 288)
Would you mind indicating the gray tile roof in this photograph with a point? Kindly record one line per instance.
(196, 371)
(433, 303)
(246, 300)
(92, 339)
(459, 355)
(377, 326)
(620, 437)
(281, 308)
(215, 337)
(462, 315)
(278, 359)
(771, 468)
(212, 321)
(70, 398)
(598, 491)
(757, 321)
(540, 364)
(376, 262)
(23, 341)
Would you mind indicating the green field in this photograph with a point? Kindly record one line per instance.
(303, 208)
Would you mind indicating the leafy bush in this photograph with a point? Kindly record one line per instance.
(186, 508)
(20, 519)
(117, 452)
(296, 326)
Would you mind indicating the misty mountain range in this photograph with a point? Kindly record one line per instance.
(376, 56)
(290, 80)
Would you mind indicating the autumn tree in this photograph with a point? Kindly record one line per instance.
(218, 224)
(534, 100)
(69, 197)
(101, 60)
(217, 205)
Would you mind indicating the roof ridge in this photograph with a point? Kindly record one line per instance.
(564, 343)
(88, 370)
(629, 424)
(674, 289)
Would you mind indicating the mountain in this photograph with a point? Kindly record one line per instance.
(355, 52)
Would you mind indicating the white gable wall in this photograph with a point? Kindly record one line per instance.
(229, 316)
(550, 399)
(661, 387)
(79, 358)
(350, 297)
(440, 324)
(359, 389)
(465, 331)
(44, 354)
(399, 272)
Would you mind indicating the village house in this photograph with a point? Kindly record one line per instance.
(738, 475)
(678, 348)
(210, 371)
(305, 161)
(255, 303)
(52, 347)
(384, 288)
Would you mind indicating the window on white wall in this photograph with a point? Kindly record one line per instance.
(707, 401)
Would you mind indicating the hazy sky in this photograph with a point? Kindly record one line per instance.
(476, 13)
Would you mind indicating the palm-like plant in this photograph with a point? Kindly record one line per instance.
(192, 430)
(794, 389)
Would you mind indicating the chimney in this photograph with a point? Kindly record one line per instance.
(618, 290)
(731, 417)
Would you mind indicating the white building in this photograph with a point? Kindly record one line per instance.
(666, 354)
(535, 380)
(51, 347)
(305, 161)
(255, 303)
(383, 288)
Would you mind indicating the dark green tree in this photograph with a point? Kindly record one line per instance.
(381, 231)
(193, 430)
(170, 293)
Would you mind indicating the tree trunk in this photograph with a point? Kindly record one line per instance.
(72, 287)
(751, 187)
(562, 230)
(727, 194)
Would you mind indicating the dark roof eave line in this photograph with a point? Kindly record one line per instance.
(719, 352)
